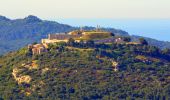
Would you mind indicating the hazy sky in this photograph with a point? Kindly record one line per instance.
(51, 9)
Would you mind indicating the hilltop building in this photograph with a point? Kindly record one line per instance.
(77, 35)
(98, 36)
(37, 49)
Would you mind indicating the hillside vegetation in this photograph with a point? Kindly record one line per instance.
(86, 71)
(96, 35)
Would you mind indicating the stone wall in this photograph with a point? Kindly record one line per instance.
(62, 36)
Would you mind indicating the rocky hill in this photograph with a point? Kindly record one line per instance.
(86, 71)
(16, 33)
(153, 42)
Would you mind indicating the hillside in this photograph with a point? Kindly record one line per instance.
(16, 33)
(86, 71)
(153, 42)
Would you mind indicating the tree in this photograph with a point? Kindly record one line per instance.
(127, 39)
(112, 34)
(166, 51)
(81, 43)
(71, 42)
(61, 49)
(143, 41)
(29, 52)
(90, 43)
(153, 50)
(34, 43)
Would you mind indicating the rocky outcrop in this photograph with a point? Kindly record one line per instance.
(115, 66)
(32, 65)
(24, 78)
(20, 78)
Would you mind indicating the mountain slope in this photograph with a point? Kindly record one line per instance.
(86, 71)
(15, 34)
(153, 42)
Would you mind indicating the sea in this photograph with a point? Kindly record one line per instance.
(154, 28)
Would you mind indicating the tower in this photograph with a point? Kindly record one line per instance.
(98, 28)
(49, 36)
(81, 28)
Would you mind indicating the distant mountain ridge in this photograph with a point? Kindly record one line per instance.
(153, 42)
(17, 33)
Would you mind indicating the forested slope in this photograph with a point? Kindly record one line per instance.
(86, 71)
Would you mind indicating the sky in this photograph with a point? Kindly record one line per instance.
(150, 18)
(117, 9)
